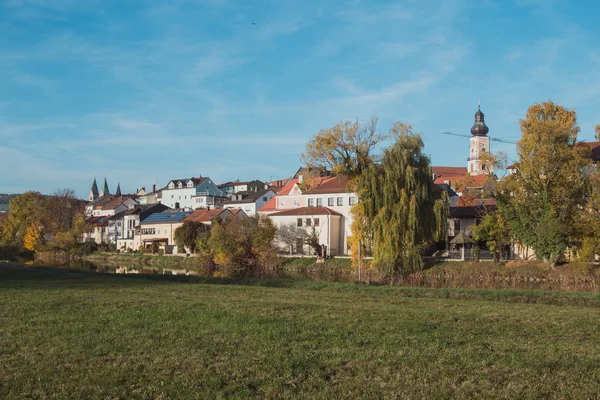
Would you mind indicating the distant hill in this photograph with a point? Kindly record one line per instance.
(4, 199)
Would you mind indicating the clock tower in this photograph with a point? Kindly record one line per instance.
(478, 145)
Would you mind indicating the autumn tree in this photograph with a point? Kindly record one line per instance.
(597, 131)
(187, 234)
(33, 239)
(542, 198)
(26, 210)
(401, 207)
(244, 244)
(494, 230)
(346, 148)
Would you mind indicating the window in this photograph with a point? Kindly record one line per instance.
(307, 221)
(316, 221)
(185, 197)
(172, 196)
(299, 222)
(319, 202)
(311, 202)
(330, 202)
(340, 201)
(296, 204)
(456, 226)
(265, 198)
(352, 200)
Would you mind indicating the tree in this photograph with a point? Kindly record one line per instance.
(402, 208)
(187, 234)
(542, 199)
(60, 209)
(33, 239)
(244, 243)
(289, 234)
(346, 148)
(597, 131)
(26, 210)
(63, 241)
(494, 230)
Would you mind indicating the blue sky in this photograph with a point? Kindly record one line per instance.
(145, 91)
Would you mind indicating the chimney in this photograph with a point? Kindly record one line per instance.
(153, 188)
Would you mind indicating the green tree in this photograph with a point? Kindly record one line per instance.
(187, 234)
(402, 208)
(494, 230)
(542, 199)
(346, 148)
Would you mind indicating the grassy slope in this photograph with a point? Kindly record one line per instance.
(73, 335)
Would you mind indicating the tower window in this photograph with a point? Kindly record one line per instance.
(483, 149)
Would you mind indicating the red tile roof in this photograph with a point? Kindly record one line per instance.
(205, 215)
(287, 188)
(270, 205)
(333, 184)
(306, 211)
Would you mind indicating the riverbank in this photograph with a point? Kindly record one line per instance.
(181, 337)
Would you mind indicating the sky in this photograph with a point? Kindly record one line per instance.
(144, 91)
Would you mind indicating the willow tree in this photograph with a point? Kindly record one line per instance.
(542, 198)
(401, 207)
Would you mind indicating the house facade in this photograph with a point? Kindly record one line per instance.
(159, 228)
(192, 193)
(249, 201)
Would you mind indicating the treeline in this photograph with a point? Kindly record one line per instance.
(39, 222)
(5, 198)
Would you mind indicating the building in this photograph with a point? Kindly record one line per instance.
(329, 196)
(191, 193)
(159, 228)
(237, 186)
(128, 221)
(249, 201)
(479, 144)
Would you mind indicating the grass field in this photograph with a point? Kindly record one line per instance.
(83, 335)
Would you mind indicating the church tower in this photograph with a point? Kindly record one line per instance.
(105, 191)
(94, 191)
(478, 145)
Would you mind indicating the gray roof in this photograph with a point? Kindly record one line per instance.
(248, 197)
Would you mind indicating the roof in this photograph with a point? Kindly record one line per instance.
(288, 187)
(248, 196)
(165, 217)
(334, 184)
(474, 181)
(595, 150)
(270, 205)
(237, 211)
(470, 211)
(443, 174)
(461, 238)
(97, 221)
(306, 211)
(196, 181)
(206, 215)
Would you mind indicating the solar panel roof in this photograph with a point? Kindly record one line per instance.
(158, 218)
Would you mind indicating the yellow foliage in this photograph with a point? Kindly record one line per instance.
(33, 238)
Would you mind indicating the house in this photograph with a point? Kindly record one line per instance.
(326, 223)
(329, 195)
(113, 205)
(238, 186)
(250, 201)
(98, 230)
(159, 228)
(147, 197)
(191, 193)
(127, 222)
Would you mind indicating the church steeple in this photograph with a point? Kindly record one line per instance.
(479, 127)
(94, 191)
(118, 192)
(105, 191)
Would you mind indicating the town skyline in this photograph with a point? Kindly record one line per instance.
(146, 93)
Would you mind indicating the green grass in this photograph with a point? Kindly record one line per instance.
(67, 334)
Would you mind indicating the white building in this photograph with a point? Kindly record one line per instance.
(329, 195)
(249, 201)
(191, 194)
(479, 144)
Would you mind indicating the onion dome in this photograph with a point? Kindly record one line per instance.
(479, 127)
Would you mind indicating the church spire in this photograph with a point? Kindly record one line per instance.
(94, 191)
(105, 191)
(118, 192)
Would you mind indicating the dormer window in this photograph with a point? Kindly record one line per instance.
(171, 185)
(179, 185)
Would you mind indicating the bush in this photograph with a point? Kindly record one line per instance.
(87, 248)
